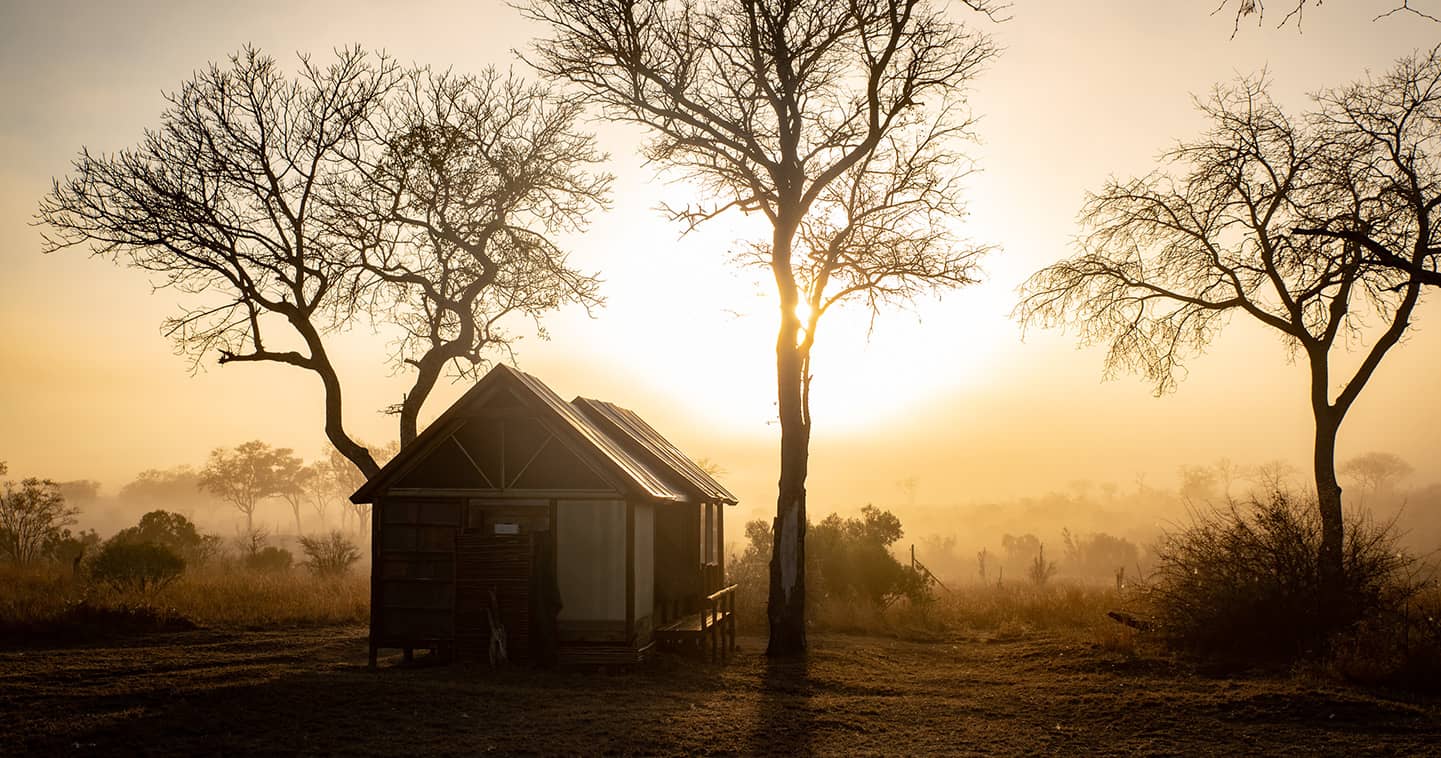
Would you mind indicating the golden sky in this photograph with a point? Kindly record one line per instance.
(946, 394)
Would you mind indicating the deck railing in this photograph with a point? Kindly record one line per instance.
(718, 619)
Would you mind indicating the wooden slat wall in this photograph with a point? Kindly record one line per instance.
(503, 563)
(414, 573)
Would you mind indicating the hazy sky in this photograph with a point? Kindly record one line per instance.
(946, 394)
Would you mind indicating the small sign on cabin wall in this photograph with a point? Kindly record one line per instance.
(507, 528)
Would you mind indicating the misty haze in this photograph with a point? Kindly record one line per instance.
(720, 376)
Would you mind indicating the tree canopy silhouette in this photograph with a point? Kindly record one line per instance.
(835, 121)
(1261, 216)
(292, 206)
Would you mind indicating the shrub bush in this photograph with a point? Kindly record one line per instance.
(848, 563)
(269, 560)
(174, 531)
(331, 555)
(139, 566)
(1243, 581)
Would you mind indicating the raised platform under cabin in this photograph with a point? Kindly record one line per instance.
(518, 525)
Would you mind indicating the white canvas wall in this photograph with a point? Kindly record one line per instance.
(590, 559)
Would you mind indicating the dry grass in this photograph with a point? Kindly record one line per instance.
(247, 600)
(1006, 611)
(49, 603)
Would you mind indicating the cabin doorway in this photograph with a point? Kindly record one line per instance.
(505, 578)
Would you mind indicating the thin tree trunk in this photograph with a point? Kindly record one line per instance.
(1328, 498)
(787, 603)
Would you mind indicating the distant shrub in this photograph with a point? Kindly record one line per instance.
(1245, 581)
(331, 555)
(848, 563)
(174, 531)
(257, 555)
(69, 548)
(1041, 570)
(33, 516)
(1098, 556)
(141, 566)
(269, 560)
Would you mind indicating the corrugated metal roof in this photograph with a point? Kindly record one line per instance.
(666, 485)
(629, 426)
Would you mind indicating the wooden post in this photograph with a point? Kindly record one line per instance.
(714, 628)
(720, 541)
(375, 579)
(732, 621)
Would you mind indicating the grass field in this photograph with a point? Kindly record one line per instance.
(307, 692)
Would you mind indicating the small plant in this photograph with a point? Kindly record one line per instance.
(331, 555)
(141, 566)
(1041, 570)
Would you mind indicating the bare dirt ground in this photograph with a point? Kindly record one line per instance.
(308, 692)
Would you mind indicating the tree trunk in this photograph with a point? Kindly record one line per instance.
(426, 374)
(787, 603)
(1328, 499)
(353, 451)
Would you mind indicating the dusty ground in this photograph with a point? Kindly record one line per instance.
(308, 692)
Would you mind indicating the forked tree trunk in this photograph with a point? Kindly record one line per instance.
(786, 607)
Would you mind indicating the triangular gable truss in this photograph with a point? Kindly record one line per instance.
(459, 452)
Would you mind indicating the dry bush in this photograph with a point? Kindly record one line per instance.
(1244, 583)
(1400, 646)
(136, 566)
(331, 555)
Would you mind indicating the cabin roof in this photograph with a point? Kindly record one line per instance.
(656, 469)
(638, 436)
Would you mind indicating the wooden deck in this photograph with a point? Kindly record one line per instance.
(713, 626)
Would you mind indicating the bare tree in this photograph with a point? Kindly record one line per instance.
(836, 121)
(459, 186)
(223, 201)
(250, 473)
(1169, 258)
(1296, 10)
(424, 200)
(33, 516)
(294, 481)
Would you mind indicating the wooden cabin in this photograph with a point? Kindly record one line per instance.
(576, 526)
